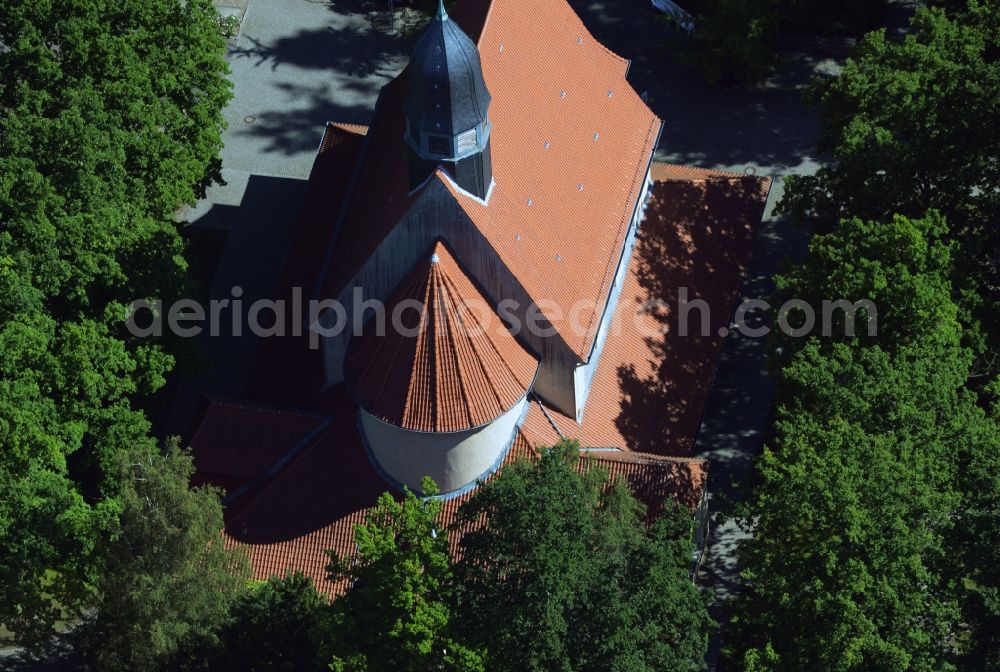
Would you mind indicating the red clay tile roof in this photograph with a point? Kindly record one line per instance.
(651, 383)
(654, 479)
(238, 442)
(455, 368)
(337, 134)
(571, 144)
(315, 502)
(664, 172)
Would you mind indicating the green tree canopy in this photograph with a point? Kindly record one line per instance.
(274, 626)
(911, 127)
(110, 119)
(559, 573)
(975, 539)
(902, 267)
(736, 41)
(398, 612)
(166, 576)
(852, 563)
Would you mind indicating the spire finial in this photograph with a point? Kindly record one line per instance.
(442, 14)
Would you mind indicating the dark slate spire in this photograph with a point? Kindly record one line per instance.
(447, 103)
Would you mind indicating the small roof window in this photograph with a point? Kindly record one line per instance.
(439, 144)
(467, 141)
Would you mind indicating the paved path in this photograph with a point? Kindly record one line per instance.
(737, 415)
(765, 127)
(296, 65)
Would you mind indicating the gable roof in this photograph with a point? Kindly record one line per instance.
(453, 365)
(571, 145)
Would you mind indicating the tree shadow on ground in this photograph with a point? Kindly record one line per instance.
(708, 125)
(349, 50)
(299, 127)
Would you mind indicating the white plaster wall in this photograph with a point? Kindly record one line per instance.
(583, 374)
(453, 459)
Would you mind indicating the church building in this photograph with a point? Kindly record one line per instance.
(495, 252)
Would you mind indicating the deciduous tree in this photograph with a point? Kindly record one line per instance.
(110, 120)
(856, 521)
(165, 576)
(560, 573)
(910, 127)
(398, 612)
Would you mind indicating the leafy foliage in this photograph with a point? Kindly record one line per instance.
(902, 267)
(110, 119)
(398, 613)
(911, 127)
(976, 539)
(274, 625)
(875, 520)
(852, 565)
(166, 576)
(735, 41)
(559, 573)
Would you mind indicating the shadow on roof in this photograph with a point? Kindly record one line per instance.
(698, 235)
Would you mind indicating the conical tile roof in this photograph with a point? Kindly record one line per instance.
(453, 365)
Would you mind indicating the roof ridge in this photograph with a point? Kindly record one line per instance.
(260, 407)
(258, 486)
(609, 272)
(624, 455)
(455, 347)
(703, 173)
(473, 344)
(426, 330)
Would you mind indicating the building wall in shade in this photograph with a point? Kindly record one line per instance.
(436, 214)
(454, 460)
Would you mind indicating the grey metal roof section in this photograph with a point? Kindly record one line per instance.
(447, 94)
